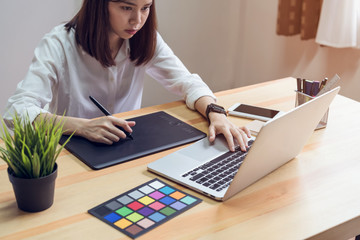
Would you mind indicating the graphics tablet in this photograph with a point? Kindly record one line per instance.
(152, 133)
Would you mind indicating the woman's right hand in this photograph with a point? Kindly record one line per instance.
(101, 130)
(104, 129)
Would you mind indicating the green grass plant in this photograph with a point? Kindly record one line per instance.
(32, 149)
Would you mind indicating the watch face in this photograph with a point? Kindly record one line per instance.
(216, 108)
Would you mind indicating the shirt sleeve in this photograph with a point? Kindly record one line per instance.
(35, 91)
(168, 70)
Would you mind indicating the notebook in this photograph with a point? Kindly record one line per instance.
(152, 133)
(279, 140)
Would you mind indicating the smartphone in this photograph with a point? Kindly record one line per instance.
(252, 112)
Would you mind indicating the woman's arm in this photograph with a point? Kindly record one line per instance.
(166, 68)
(102, 130)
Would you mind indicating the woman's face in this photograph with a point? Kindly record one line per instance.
(127, 17)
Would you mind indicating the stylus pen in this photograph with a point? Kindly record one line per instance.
(107, 113)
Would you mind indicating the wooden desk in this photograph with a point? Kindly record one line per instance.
(316, 195)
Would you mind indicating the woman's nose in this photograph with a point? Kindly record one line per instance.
(135, 18)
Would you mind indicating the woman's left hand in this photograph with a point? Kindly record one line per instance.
(219, 124)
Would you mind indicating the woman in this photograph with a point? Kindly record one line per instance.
(104, 51)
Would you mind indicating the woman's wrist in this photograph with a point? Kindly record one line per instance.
(73, 125)
(213, 110)
(215, 116)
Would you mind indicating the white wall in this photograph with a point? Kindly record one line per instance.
(229, 43)
(206, 35)
(23, 23)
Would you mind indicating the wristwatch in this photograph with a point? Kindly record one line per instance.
(212, 107)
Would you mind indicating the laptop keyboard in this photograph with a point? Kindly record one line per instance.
(218, 173)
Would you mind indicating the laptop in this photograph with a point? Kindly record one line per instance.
(151, 135)
(214, 171)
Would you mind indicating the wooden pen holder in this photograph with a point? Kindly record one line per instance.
(303, 98)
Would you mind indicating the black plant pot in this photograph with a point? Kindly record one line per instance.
(34, 194)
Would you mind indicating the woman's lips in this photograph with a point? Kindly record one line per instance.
(130, 31)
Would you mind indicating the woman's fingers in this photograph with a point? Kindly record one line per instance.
(106, 129)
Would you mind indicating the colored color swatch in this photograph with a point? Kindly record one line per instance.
(144, 208)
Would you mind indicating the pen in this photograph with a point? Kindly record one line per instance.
(323, 83)
(299, 88)
(303, 85)
(107, 113)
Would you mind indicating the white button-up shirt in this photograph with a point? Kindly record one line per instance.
(62, 76)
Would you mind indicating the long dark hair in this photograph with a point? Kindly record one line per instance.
(92, 25)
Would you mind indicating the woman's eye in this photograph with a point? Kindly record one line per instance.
(146, 8)
(126, 8)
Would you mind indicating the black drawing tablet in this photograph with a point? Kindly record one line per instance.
(152, 133)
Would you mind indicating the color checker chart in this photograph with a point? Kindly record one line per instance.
(143, 208)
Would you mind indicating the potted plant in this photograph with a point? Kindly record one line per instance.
(31, 153)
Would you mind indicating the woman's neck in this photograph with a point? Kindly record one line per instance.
(115, 44)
